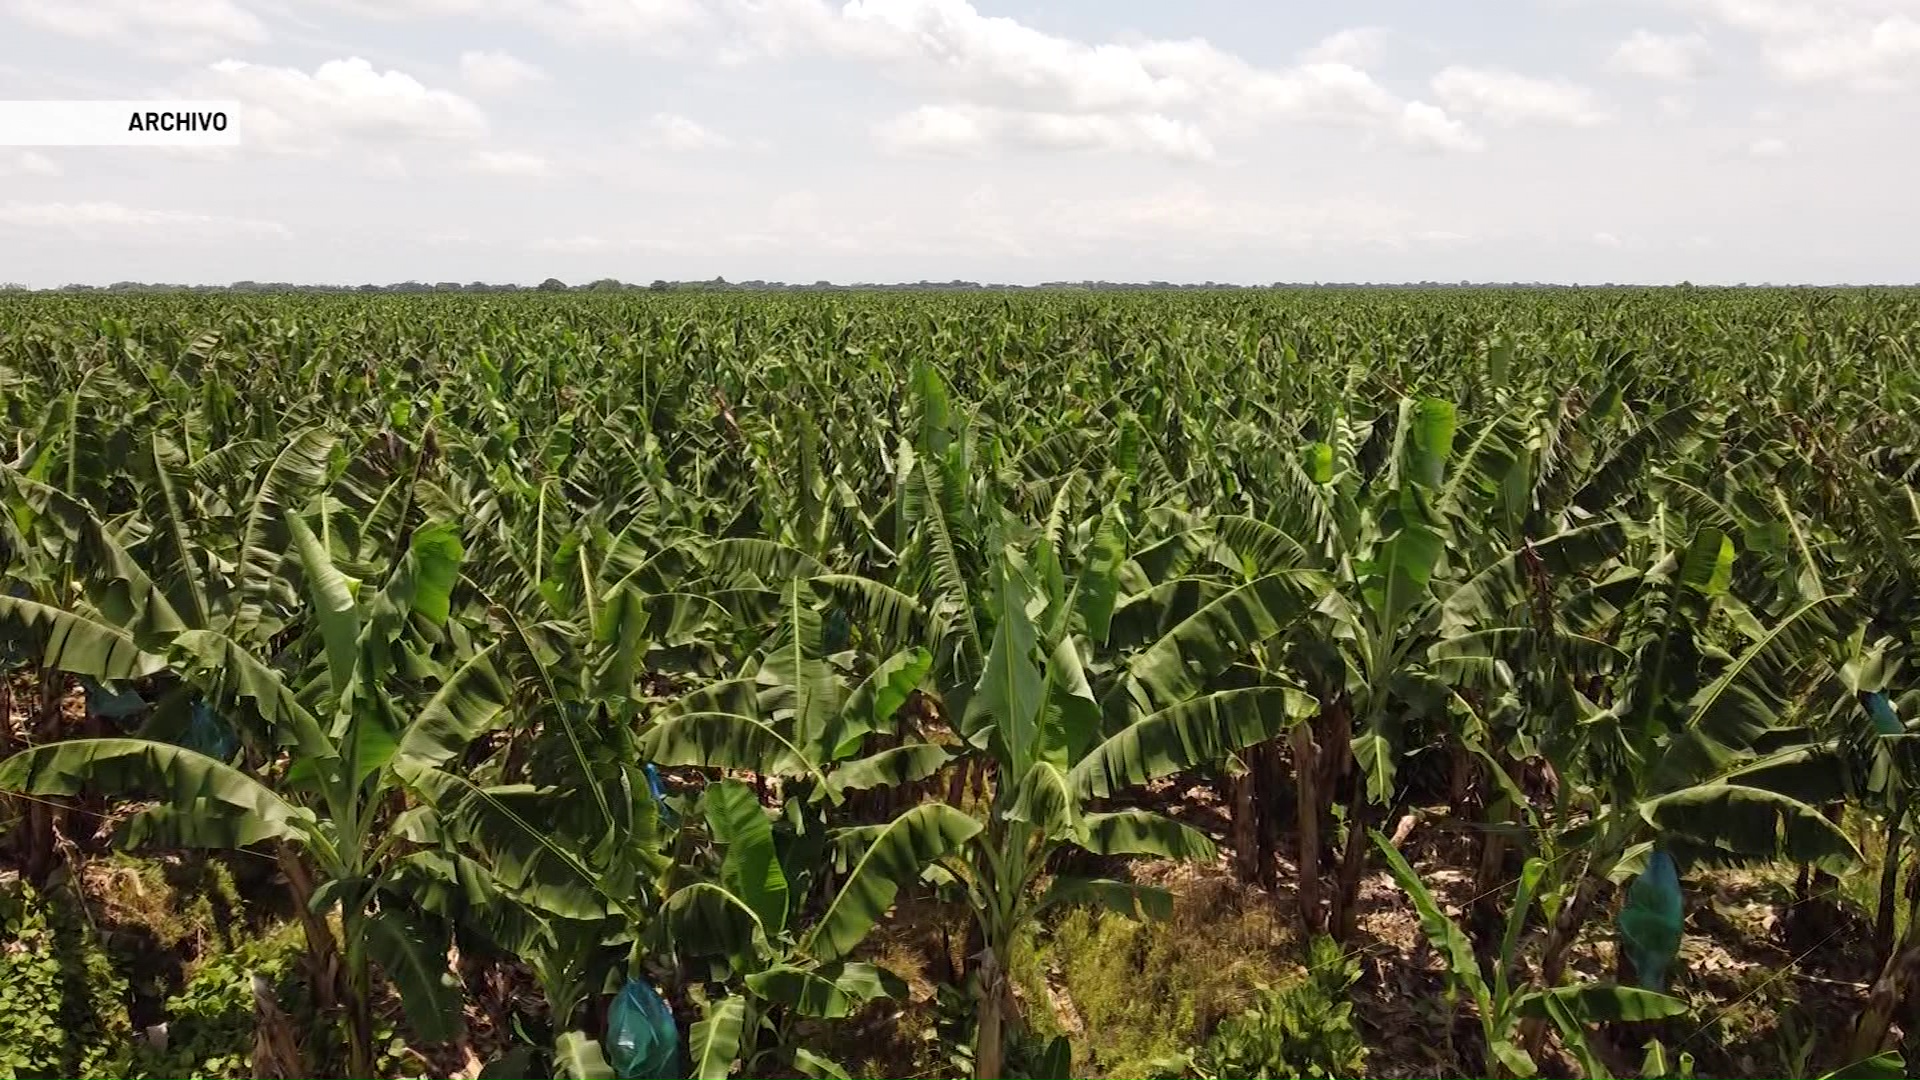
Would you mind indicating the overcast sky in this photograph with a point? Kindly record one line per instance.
(1250, 141)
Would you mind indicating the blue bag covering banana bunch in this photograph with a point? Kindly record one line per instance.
(1650, 924)
(642, 1040)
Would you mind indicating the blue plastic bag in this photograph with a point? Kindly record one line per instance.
(1885, 720)
(659, 790)
(1650, 924)
(112, 704)
(208, 734)
(643, 1043)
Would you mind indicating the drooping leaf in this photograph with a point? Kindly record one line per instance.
(433, 565)
(577, 1056)
(708, 920)
(1188, 734)
(75, 643)
(715, 740)
(1889, 1065)
(829, 992)
(872, 705)
(1595, 1004)
(1011, 689)
(1749, 823)
(714, 1043)
(750, 869)
(1142, 832)
(1070, 720)
(330, 596)
(228, 808)
(809, 1064)
(1042, 799)
(1176, 666)
(1130, 899)
(1099, 583)
(889, 768)
(413, 953)
(465, 705)
(1444, 934)
(899, 852)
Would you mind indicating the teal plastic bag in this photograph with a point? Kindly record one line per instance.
(1650, 924)
(643, 1043)
(112, 704)
(1885, 720)
(659, 789)
(836, 630)
(208, 734)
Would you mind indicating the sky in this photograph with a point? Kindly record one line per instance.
(1580, 141)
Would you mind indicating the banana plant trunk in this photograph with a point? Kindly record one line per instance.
(1490, 873)
(6, 715)
(323, 952)
(38, 853)
(1246, 826)
(1883, 923)
(1553, 959)
(1306, 774)
(1899, 978)
(1353, 862)
(1256, 833)
(359, 998)
(987, 1061)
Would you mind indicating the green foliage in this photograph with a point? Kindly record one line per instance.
(62, 1004)
(1150, 991)
(66, 979)
(210, 1022)
(461, 573)
(1302, 1028)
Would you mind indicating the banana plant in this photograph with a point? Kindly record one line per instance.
(1662, 761)
(1503, 1005)
(802, 713)
(1035, 716)
(780, 959)
(374, 703)
(566, 871)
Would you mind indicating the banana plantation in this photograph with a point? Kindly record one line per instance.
(1234, 684)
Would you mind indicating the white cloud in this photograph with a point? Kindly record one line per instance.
(651, 25)
(1794, 18)
(1667, 57)
(1862, 44)
(1882, 55)
(1429, 126)
(1768, 148)
(1508, 98)
(27, 163)
(1360, 46)
(975, 129)
(176, 29)
(994, 62)
(1606, 240)
(113, 217)
(342, 101)
(1058, 138)
(510, 163)
(998, 59)
(674, 132)
(497, 72)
